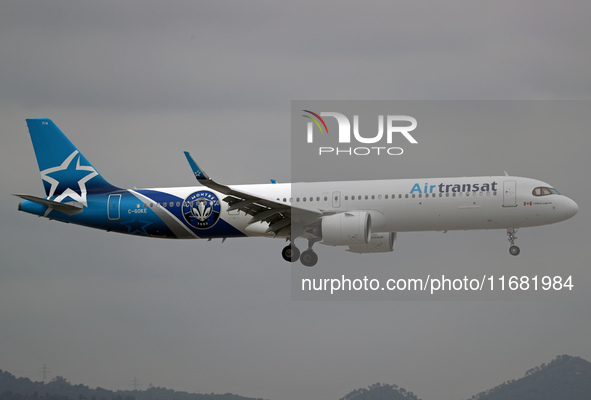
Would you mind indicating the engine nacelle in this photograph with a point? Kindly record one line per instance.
(350, 228)
(381, 242)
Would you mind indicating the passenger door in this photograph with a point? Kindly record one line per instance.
(113, 207)
(509, 194)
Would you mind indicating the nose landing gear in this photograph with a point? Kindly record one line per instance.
(513, 250)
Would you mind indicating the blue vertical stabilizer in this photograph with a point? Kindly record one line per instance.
(66, 173)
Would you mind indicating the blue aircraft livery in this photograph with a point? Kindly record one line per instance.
(201, 209)
(364, 216)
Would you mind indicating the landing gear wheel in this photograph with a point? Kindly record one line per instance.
(513, 250)
(309, 258)
(290, 253)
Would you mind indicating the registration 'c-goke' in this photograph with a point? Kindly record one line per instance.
(364, 216)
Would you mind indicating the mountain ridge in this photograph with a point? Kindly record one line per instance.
(60, 389)
(565, 377)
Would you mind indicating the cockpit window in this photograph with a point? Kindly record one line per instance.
(544, 191)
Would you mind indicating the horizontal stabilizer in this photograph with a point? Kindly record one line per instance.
(69, 209)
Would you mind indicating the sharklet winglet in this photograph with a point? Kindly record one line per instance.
(197, 171)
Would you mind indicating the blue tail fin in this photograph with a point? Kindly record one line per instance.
(65, 172)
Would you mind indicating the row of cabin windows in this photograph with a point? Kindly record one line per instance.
(394, 196)
(352, 198)
(171, 204)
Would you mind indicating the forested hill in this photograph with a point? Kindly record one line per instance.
(379, 391)
(12, 388)
(565, 377)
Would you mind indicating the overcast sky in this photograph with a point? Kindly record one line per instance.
(133, 84)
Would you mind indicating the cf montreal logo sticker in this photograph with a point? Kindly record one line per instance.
(201, 209)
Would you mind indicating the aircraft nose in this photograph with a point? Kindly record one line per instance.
(570, 207)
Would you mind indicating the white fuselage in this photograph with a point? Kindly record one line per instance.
(404, 205)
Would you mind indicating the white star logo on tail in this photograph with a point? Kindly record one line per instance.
(69, 192)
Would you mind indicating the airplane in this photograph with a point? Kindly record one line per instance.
(364, 216)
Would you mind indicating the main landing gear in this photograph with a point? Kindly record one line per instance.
(514, 250)
(290, 253)
(309, 258)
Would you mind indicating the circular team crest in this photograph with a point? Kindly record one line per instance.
(201, 209)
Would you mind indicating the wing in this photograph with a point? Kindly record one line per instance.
(277, 215)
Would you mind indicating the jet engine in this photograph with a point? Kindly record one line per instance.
(350, 228)
(381, 242)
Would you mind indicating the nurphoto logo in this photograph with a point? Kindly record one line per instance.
(395, 125)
